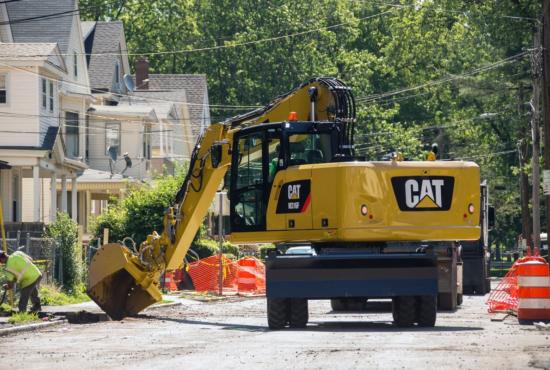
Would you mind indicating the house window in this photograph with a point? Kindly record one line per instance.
(75, 64)
(51, 95)
(117, 73)
(44, 94)
(3, 90)
(147, 143)
(112, 136)
(71, 134)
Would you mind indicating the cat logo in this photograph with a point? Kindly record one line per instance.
(295, 197)
(294, 192)
(423, 193)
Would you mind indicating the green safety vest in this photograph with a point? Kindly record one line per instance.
(21, 269)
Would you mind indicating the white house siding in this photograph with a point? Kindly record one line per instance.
(79, 84)
(21, 108)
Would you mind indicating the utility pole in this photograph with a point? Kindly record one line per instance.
(536, 65)
(546, 96)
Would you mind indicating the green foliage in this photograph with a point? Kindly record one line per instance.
(142, 211)
(205, 247)
(264, 249)
(65, 233)
(52, 295)
(228, 248)
(22, 317)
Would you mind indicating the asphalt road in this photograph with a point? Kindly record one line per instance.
(233, 334)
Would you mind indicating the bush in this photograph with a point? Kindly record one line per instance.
(205, 247)
(264, 249)
(142, 211)
(229, 248)
(52, 295)
(65, 233)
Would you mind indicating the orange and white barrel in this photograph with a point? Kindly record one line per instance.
(246, 275)
(169, 282)
(533, 289)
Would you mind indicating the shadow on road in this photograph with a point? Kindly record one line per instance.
(323, 326)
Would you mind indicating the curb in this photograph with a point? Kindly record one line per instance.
(31, 327)
(164, 305)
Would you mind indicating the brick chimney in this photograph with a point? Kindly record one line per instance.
(142, 74)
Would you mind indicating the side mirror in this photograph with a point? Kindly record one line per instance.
(491, 217)
(216, 155)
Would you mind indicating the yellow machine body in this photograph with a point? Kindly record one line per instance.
(339, 191)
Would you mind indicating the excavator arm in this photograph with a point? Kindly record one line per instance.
(123, 281)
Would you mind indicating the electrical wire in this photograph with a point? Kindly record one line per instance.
(483, 68)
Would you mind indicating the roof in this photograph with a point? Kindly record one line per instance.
(53, 29)
(102, 37)
(47, 52)
(47, 144)
(91, 175)
(163, 101)
(196, 90)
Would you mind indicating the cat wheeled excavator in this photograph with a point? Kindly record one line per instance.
(294, 178)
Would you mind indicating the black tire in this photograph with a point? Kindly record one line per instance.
(337, 304)
(404, 311)
(447, 301)
(426, 311)
(299, 314)
(459, 299)
(277, 313)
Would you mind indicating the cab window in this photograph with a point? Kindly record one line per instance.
(309, 148)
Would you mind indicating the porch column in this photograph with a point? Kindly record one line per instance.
(64, 193)
(53, 196)
(37, 192)
(74, 199)
(88, 210)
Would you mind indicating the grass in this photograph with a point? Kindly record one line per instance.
(22, 317)
(52, 295)
(164, 301)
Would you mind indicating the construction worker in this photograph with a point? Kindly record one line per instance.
(23, 272)
(432, 155)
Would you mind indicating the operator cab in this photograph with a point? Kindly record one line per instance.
(262, 151)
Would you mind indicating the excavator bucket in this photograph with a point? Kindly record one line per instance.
(118, 284)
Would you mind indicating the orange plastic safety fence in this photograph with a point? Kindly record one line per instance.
(504, 298)
(246, 276)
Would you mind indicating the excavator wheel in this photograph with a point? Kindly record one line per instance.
(299, 314)
(278, 313)
(404, 311)
(426, 311)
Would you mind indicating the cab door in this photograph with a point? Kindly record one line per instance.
(248, 182)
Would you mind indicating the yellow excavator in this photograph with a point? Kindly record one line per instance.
(376, 229)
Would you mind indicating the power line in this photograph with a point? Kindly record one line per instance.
(484, 68)
(229, 45)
